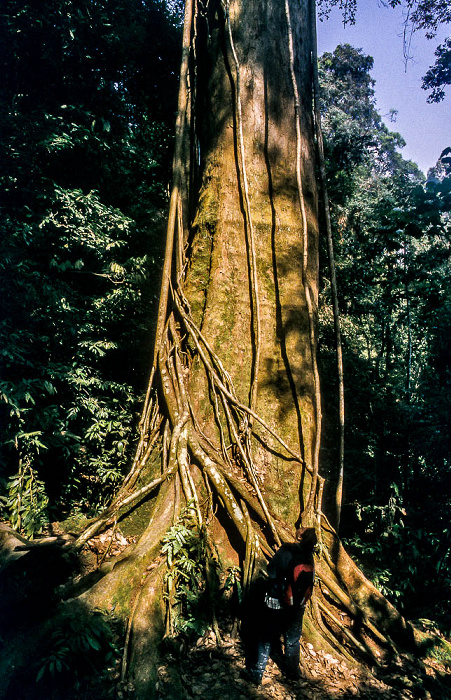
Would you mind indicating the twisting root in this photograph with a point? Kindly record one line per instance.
(249, 230)
(219, 386)
(253, 555)
(362, 647)
(218, 482)
(128, 634)
(311, 498)
(108, 516)
(196, 336)
(150, 427)
(111, 539)
(326, 634)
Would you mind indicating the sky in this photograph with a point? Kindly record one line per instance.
(378, 30)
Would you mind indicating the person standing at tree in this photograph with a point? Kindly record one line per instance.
(288, 588)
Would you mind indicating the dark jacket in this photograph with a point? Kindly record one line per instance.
(291, 574)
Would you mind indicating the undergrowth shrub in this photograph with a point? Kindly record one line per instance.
(83, 649)
(191, 578)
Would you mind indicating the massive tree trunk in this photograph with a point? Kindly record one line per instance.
(232, 419)
(251, 277)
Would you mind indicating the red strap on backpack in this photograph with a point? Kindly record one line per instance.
(300, 568)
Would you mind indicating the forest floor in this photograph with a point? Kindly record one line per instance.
(212, 672)
(208, 670)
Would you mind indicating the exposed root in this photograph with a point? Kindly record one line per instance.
(108, 517)
(355, 642)
(125, 652)
(309, 508)
(228, 393)
(333, 641)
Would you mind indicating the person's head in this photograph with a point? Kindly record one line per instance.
(307, 537)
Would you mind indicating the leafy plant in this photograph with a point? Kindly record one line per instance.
(81, 646)
(188, 556)
(441, 652)
(26, 502)
(232, 582)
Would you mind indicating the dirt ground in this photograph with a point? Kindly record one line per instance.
(210, 672)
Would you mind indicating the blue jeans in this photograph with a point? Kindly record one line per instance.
(286, 623)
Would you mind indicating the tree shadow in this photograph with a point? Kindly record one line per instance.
(28, 581)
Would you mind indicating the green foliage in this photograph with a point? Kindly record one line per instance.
(425, 15)
(233, 582)
(86, 103)
(25, 505)
(58, 369)
(188, 557)
(419, 582)
(420, 556)
(82, 646)
(391, 240)
(428, 15)
(441, 652)
(355, 136)
(439, 74)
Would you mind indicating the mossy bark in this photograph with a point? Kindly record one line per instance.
(268, 126)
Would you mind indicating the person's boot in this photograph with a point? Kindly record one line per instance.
(292, 668)
(255, 667)
(252, 676)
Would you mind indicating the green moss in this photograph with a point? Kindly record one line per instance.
(120, 601)
(284, 501)
(204, 228)
(75, 523)
(228, 319)
(136, 521)
(442, 652)
(431, 643)
(264, 264)
(207, 212)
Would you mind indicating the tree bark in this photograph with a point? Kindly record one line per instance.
(254, 245)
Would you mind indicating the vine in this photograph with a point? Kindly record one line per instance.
(249, 227)
(309, 508)
(333, 277)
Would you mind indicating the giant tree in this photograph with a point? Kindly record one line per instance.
(231, 424)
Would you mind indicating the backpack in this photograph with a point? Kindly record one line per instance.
(293, 586)
(299, 584)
